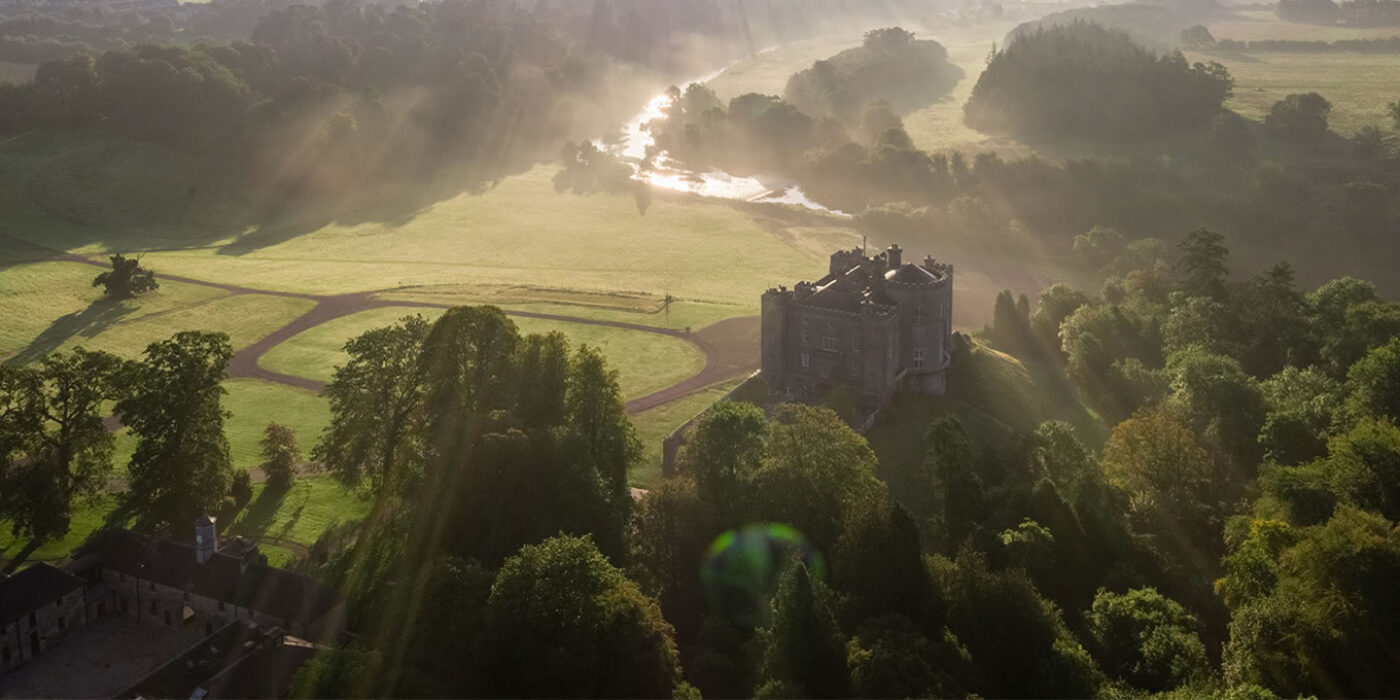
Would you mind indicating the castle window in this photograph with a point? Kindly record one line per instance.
(806, 361)
(831, 343)
(855, 342)
(854, 366)
(919, 359)
(918, 315)
(803, 333)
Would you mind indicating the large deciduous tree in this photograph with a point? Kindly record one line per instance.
(280, 455)
(725, 449)
(53, 445)
(376, 402)
(563, 622)
(173, 405)
(126, 279)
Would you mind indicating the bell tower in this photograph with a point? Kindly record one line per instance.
(205, 538)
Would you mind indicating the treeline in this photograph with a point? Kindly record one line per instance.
(1255, 449)
(1082, 79)
(323, 99)
(890, 65)
(55, 448)
(1355, 13)
(1390, 45)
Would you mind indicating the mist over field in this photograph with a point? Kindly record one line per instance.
(699, 348)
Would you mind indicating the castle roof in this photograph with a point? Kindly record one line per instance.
(32, 589)
(266, 589)
(909, 273)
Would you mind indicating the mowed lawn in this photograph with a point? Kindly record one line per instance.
(1358, 85)
(45, 305)
(655, 424)
(246, 318)
(645, 362)
(298, 515)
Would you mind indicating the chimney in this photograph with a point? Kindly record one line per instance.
(894, 253)
(205, 538)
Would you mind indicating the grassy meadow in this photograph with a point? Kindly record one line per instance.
(1359, 85)
(1261, 24)
(645, 362)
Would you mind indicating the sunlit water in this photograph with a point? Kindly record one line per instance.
(666, 173)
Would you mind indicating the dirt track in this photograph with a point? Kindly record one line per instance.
(730, 347)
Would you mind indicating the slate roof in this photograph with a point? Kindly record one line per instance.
(34, 588)
(265, 589)
(909, 273)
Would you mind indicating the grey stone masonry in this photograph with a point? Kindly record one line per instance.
(869, 325)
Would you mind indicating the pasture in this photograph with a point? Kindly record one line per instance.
(1359, 85)
(645, 362)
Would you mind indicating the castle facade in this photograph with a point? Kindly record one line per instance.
(870, 325)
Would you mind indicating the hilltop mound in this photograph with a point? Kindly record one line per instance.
(891, 65)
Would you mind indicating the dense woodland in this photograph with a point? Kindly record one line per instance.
(1235, 535)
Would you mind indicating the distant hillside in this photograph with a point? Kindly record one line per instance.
(1156, 25)
(891, 65)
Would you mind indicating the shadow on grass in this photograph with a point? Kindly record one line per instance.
(259, 515)
(97, 317)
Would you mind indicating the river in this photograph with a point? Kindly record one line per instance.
(672, 175)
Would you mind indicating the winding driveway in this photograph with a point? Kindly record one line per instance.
(729, 346)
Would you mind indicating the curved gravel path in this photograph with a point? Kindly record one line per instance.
(730, 346)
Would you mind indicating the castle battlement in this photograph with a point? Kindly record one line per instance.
(872, 323)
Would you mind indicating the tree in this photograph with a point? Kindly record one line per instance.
(725, 449)
(172, 404)
(1202, 264)
(53, 445)
(891, 658)
(126, 279)
(960, 502)
(1375, 382)
(376, 403)
(1196, 38)
(544, 359)
(563, 622)
(280, 455)
(1300, 118)
(1146, 639)
(888, 38)
(597, 418)
(804, 654)
(1168, 478)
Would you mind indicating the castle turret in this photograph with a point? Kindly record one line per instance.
(774, 334)
(205, 538)
(894, 254)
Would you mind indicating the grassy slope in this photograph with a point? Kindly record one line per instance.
(645, 362)
(300, 514)
(46, 305)
(994, 395)
(253, 403)
(1358, 85)
(245, 318)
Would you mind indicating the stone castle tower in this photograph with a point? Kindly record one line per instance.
(871, 324)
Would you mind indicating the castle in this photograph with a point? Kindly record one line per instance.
(871, 324)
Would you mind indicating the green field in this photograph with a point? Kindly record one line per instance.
(1257, 25)
(299, 515)
(654, 425)
(1358, 85)
(244, 317)
(87, 517)
(254, 403)
(46, 305)
(645, 362)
